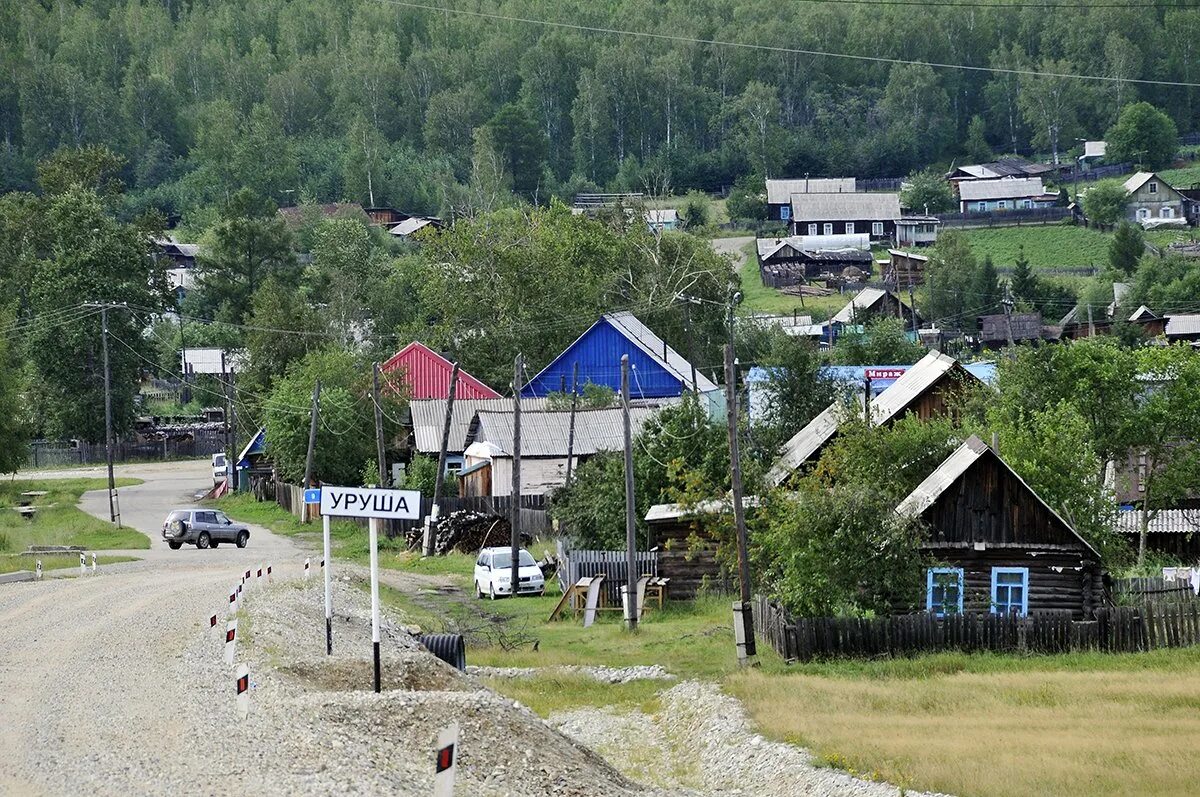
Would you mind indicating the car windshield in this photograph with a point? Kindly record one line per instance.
(503, 559)
(218, 460)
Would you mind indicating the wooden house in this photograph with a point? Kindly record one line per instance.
(993, 329)
(917, 230)
(425, 421)
(426, 374)
(688, 554)
(1173, 532)
(1013, 168)
(546, 445)
(779, 192)
(874, 303)
(925, 390)
(1183, 328)
(905, 268)
(990, 196)
(1149, 198)
(797, 259)
(659, 370)
(998, 546)
(846, 214)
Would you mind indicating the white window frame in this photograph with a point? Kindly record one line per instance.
(877, 229)
(1027, 204)
(1143, 214)
(1153, 187)
(828, 229)
(849, 228)
(981, 207)
(1166, 212)
(1002, 204)
(812, 229)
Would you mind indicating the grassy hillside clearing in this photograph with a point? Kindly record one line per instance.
(58, 521)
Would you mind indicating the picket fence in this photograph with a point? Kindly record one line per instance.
(1118, 630)
(574, 565)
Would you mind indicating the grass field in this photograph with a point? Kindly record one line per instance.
(758, 298)
(11, 564)
(59, 521)
(984, 726)
(1182, 178)
(1046, 246)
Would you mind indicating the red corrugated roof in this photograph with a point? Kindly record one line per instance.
(427, 375)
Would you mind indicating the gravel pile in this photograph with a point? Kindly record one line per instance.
(702, 739)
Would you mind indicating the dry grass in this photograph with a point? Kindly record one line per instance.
(1028, 731)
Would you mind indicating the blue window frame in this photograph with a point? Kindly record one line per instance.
(785, 212)
(944, 591)
(1010, 590)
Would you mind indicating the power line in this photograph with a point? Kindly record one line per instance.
(789, 50)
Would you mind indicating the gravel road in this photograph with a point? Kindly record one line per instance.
(114, 684)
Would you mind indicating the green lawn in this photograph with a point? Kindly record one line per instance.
(1046, 246)
(1182, 178)
(59, 521)
(11, 564)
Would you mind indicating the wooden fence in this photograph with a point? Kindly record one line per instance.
(574, 565)
(1005, 218)
(1119, 630)
(1154, 591)
(44, 454)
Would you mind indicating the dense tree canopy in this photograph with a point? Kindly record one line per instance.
(375, 103)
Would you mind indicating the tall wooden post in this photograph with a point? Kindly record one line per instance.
(743, 614)
(571, 424)
(435, 511)
(312, 443)
(379, 452)
(518, 366)
(108, 424)
(631, 574)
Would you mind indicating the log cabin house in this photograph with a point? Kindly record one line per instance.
(999, 547)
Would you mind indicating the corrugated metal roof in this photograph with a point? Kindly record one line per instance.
(863, 301)
(409, 226)
(779, 192)
(545, 433)
(1167, 521)
(889, 404)
(427, 375)
(660, 512)
(429, 415)
(845, 207)
(955, 466)
(1183, 325)
(657, 348)
(1137, 181)
(1008, 188)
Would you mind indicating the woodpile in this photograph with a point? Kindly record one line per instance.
(465, 531)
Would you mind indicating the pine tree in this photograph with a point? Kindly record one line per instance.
(1127, 247)
(1024, 282)
(985, 287)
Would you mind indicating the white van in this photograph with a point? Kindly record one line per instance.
(219, 467)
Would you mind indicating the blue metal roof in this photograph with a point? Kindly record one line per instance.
(657, 371)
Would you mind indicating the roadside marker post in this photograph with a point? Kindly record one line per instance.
(306, 563)
(230, 641)
(258, 575)
(82, 564)
(270, 580)
(212, 621)
(243, 691)
(93, 564)
(38, 574)
(376, 505)
(446, 761)
(233, 597)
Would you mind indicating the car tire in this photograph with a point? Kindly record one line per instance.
(174, 546)
(492, 591)
(478, 591)
(202, 542)
(215, 544)
(243, 537)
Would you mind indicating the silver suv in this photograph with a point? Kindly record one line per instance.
(204, 528)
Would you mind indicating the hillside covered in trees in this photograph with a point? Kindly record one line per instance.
(392, 104)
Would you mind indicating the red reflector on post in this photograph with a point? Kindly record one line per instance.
(212, 621)
(243, 684)
(445, 758)
(229, 635)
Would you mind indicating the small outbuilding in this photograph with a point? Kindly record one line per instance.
(999, 548)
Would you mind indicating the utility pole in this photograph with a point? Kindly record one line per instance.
(383, 476)
(867, 400)
(518, 366)
(1091, 324)
(435, 511)
(1007, 302)
(631, 575)
(912, 302)
(312, 438)
(114, 513)
(186, 391)
(743, 615)
(228, 444)
(571, 425)
(687, 323)
(230, 464)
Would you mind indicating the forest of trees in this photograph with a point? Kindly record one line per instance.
(392, 105)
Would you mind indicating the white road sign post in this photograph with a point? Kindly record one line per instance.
(230, 641)
(328, 594)
(243, 690)
(375, 505)
(447, 760)
(82, 564)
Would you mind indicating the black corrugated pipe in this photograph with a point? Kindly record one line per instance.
(450, 648)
